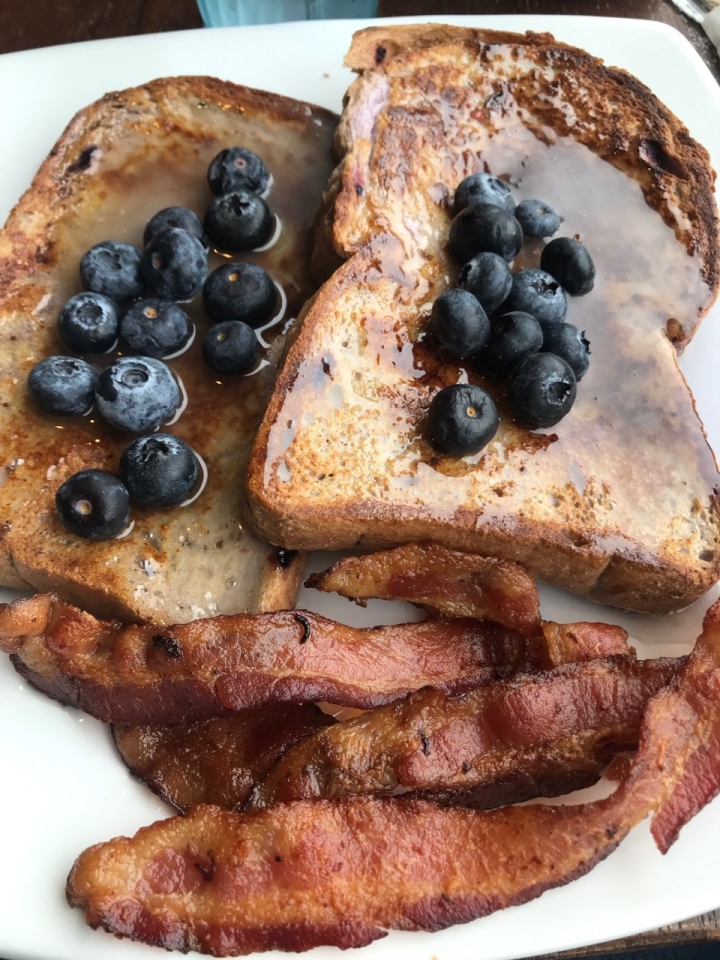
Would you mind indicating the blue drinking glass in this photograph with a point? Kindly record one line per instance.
(236, 13)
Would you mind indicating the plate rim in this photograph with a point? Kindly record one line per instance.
(311, 26)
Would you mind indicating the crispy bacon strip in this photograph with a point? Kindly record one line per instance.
(576, 642)
(217, 760)
(146, 674)
(533, 736)
(448, 582)
(694, 718)
(342, 873)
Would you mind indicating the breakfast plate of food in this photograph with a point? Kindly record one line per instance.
(428, 296)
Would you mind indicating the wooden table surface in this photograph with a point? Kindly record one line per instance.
(46, 22)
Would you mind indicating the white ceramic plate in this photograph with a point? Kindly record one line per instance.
(61, 786)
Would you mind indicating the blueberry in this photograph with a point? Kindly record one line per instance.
(93, 504)
(230, 347)
(462, 420)
(484, 228)
(159, 470)
(237, 169)
(179, 217)
(174, 264)
(483, 188)
(537, 219)
(541, 390)
(62, 386)
(566, 341)
(88, 323)
(570, 263)
(487, 276)
(240, 291)
(459, 323)
(239, 221)
(513, 337)
(155, 327)
(137, 394)
(112, 269)
(538, 293)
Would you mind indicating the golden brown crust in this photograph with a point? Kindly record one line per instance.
(634, 582)
(55, 186)
(674, 162)
(579, 505)
(141, 149)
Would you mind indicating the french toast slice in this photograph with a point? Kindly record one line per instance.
(120, 161)
(618, 501)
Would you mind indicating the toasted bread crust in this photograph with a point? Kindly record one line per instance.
(676, 173)
(113, 142)
(608, 536)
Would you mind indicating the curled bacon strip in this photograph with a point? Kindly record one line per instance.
(146, 674)
(302, 874)
(218, 760)
(361, 865)
(448, 582)
(533, 736)
(693, 721)
(576, 642)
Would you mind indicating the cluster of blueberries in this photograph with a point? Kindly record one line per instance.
(527, 340)
(133, 297)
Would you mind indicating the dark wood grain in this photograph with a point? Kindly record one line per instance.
(24, 26)
(47, 22)
(702, 929)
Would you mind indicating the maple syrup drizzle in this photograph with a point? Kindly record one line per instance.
(631, 424)
(151, 167)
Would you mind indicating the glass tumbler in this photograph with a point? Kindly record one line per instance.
(236, 13)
